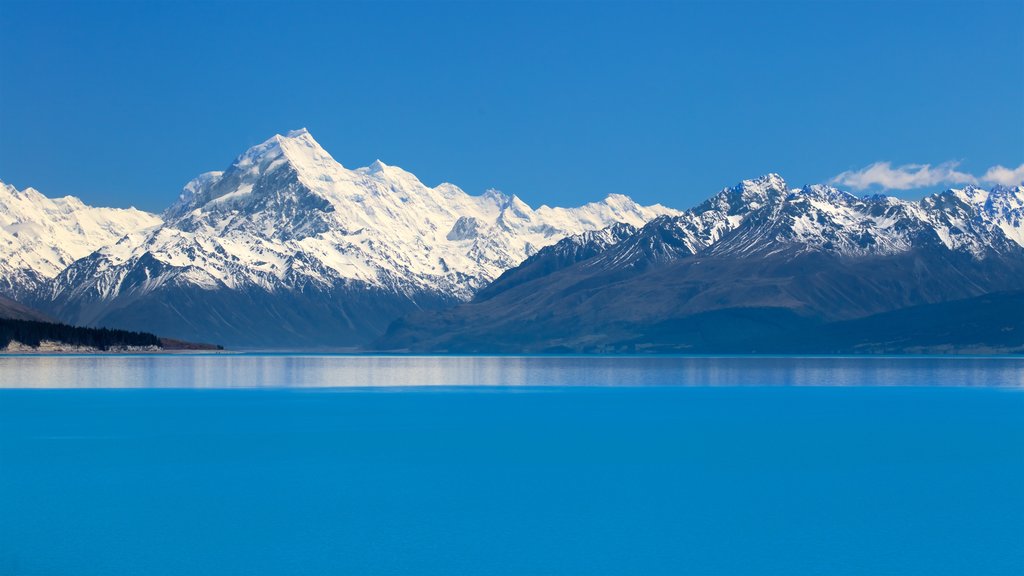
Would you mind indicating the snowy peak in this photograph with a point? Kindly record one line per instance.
(764, 185)
(294, 160)
(746, 196)
(997, 201)
(305, 153)
(376, 167)
(296, 147)
(971, 195)
(760, 191)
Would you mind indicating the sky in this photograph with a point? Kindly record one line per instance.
(559, 103)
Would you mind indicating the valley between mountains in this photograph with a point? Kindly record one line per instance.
(288, 249)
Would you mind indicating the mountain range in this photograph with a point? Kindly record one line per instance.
(287, 248)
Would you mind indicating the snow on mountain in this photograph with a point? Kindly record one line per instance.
(670, 237)
(763, 217)
(978, 221)
(1004, 207)
(823, 219)
(287, 217)
(40, 237)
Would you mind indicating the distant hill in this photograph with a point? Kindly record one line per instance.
(988, 324)
(23, 328)
(11, 310)
(992, 323)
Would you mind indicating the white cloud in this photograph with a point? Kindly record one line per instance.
(911, 176)
(1005, 176)
(905, 177)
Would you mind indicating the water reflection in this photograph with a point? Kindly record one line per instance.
(262, 371)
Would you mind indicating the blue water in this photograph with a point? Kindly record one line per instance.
(696, 466)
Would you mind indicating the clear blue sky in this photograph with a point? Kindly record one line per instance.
(122, 103)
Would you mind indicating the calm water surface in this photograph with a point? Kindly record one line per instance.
(281, 465)
(333, 371)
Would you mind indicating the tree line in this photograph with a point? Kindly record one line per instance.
(32, 333)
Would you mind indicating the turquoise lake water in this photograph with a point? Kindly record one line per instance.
(282, 465)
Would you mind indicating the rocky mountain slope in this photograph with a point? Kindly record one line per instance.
(12, 310)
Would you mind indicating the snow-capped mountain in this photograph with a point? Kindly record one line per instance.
(286, 219)
(40, 236)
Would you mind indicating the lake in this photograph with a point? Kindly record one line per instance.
(292, 464)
